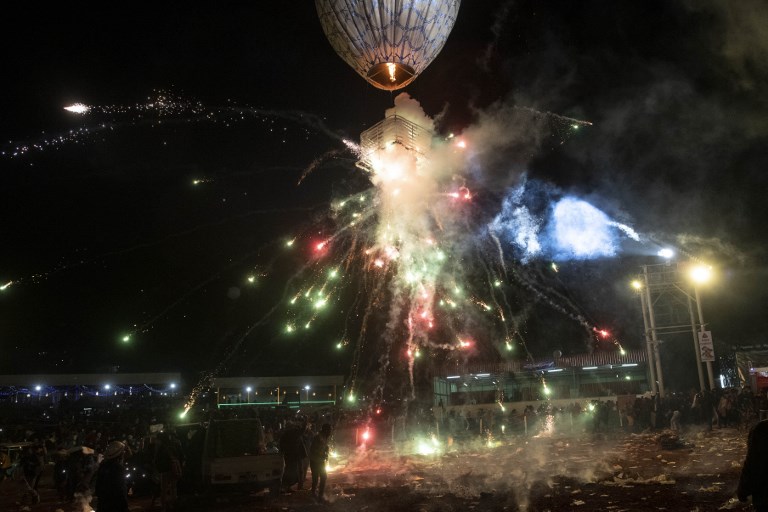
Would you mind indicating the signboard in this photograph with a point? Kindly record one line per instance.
(706, 348)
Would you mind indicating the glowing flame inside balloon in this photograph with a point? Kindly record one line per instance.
(392, 68)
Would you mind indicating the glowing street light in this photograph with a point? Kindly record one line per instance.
(307, 388)
(701, 274)
(666, 253)
(248, 394)
(637, 284)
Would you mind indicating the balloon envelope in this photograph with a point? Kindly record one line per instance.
(388, 42)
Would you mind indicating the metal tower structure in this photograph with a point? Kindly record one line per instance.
(667, 298)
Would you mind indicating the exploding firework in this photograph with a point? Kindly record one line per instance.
(431, 266)
(432, 260)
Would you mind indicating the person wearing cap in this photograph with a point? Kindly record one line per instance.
(318, 457)
(111, 487)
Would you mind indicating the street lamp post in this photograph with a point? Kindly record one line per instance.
(248, 394)
(710, 375)
(701, 274)
(697, 350)
(654, 337)
(648, 343)
(307, 388)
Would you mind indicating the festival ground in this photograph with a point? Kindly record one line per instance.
(623, 472)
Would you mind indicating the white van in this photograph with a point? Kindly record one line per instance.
(235, 459)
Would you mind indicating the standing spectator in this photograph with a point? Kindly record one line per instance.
(32, 466)
(754, 474)
(318, 457)
(60, 472)
(708, 412)
(724, 410)
(147, 458)
(292, 448)
(111, 487)
(674, 422)
(306, 441)
(168, 461)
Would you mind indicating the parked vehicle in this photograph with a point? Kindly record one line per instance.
(235, 459)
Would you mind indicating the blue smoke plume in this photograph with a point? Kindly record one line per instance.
(540, 225)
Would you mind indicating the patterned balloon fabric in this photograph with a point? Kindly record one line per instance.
(388, 42)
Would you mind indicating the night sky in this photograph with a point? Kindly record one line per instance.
(105, 233)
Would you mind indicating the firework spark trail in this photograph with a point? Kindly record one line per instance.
(574, 314)
(319, 161)
(307, 119)
(162, 107)
(631, 233)
(494, 285)
(552, 115)
(362, 337)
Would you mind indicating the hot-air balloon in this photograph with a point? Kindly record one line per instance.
(388, 42)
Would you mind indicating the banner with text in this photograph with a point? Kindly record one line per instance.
(706, 348)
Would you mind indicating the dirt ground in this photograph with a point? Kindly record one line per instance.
(551, 472)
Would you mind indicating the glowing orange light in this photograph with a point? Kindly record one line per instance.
(392, 68)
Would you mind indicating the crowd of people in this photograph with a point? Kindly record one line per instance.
(138, 446)
(90, 448)
(632, 414)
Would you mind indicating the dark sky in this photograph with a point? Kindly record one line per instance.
(105, 231)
